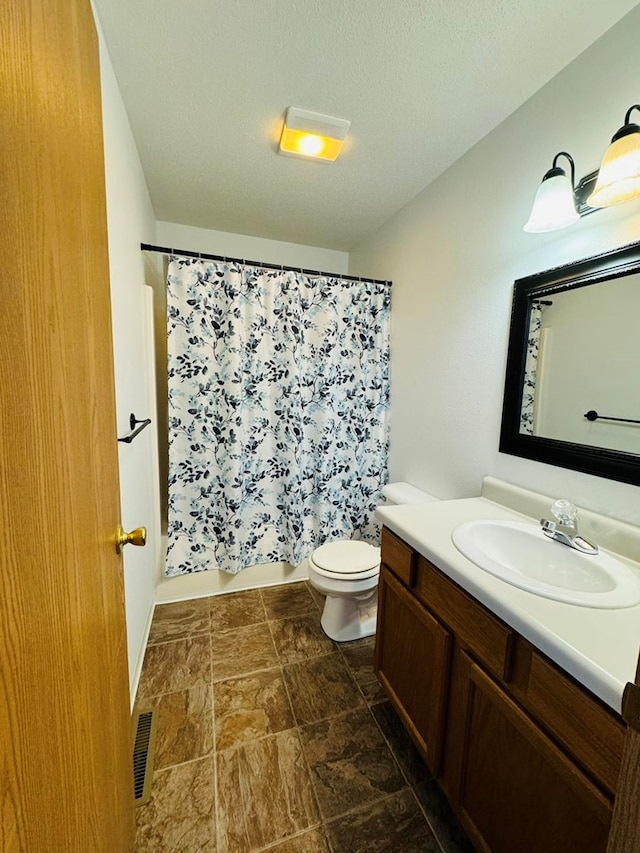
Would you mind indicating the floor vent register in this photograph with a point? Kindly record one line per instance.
(143, 754)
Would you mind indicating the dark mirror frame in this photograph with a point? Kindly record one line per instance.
(602, 462)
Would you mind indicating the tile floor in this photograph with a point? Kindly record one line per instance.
(272, 737)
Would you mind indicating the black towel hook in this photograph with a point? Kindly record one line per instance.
(135, 429)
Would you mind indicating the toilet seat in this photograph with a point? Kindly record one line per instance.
(347, 560)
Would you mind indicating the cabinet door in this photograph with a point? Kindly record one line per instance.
(517, 790)
(412, 663)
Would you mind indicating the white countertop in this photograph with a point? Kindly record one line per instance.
(598, 647)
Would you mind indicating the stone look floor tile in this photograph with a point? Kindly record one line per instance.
(442, 820)
(359, 657)
(392, 825)
(251, 707)
(350, 763)
(178, 665)
(180, 816)
(241, 651)
(236, 610)
(309, 842)
(185, 726)
(300, 638)
(317, 596)
(320, 688)
(179, 620)
(264, 793)
(282, 602)
(272, 775)
(402, 747)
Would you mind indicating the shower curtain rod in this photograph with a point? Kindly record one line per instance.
(163, 250)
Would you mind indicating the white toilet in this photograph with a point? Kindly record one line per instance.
(347, 571)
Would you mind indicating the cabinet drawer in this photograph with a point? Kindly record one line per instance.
(479, 631)
(398, 557)
(590, 732)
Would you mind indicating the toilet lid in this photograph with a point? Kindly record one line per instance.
(346, 557)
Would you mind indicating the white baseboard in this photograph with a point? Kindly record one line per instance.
(143, 648)
(201, 584)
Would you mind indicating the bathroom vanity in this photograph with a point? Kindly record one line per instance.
(527, 754)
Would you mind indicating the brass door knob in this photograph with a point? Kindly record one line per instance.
(135, 537)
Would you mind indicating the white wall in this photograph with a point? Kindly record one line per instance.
(175, 236)
(453, 254)
(131, 220)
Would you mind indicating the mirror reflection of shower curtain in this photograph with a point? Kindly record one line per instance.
(544, 348)
(532, 371)
(278, 412)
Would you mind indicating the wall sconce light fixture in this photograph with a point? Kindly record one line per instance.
(619, 176)
(559, 202)
(312, 135)
(555, 203)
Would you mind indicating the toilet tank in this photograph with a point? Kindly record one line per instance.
(404, 493)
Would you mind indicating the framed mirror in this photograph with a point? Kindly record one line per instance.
(572, 384)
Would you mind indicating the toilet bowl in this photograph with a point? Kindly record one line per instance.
(347, 572)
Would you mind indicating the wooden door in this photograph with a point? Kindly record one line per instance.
(625, 826)
(65, 779)
(412, 664)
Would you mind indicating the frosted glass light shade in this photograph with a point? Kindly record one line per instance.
(619, 176)
(311, 145)
(554, 206)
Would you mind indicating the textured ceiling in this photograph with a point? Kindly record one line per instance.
(206, 83)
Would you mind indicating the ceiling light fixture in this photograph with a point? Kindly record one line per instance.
(619, 177)
(312, 135)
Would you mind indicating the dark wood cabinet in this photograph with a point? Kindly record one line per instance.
(412, 662)
(527, 756)
(517, 790)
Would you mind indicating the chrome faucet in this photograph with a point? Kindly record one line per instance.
(565, 528)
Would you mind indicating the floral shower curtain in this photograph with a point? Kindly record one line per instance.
(278, 412)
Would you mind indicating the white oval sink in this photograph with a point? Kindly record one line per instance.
(523, 556)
